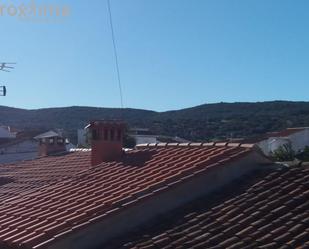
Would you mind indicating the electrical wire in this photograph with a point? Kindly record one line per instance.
(115, 52)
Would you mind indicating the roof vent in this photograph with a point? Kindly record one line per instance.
(106, 140)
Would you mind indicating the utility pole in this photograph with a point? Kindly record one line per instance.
(5, 67)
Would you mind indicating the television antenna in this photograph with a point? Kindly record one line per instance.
(5, 67)
(2, 91)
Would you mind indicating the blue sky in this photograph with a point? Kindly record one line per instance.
(172, 54)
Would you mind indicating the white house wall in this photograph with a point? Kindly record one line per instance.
(22, 151)
(274, 143)
(144, 139)
(82, 137)
(4, 133)
(299, 140)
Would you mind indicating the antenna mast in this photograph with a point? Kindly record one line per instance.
(5, 67)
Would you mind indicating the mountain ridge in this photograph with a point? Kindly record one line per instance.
(199, 123)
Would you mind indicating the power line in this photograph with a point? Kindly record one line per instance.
(115, 51)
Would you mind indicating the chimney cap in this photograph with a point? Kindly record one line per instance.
(106, 122)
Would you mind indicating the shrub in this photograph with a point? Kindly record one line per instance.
(284, 153)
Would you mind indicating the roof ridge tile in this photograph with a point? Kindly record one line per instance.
(172, 144)
(162, 144)
(249, 146)
(184, 144)
(234, 144)
(221, 144)
(195, 144)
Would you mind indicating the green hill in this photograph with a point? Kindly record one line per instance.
(204, 122)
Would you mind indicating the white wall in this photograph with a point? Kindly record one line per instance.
(70, 146)
(275, 143)
(22, 151)
(298, 140)
(82, 137)
(144, 139)
(4, 133)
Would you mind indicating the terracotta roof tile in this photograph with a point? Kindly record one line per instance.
(52, 196)
(273, 213)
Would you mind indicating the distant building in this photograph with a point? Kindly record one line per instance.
(82, 138)
(7, 132)
(297, 137)
(18, 150)
(143, 136)
(16, 145)
(24, 148)
(52, 142)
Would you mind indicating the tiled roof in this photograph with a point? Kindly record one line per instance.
(32, 174)
(38, 217)
(273, 213)
(283, 133)
(287, 132)
(47, 134)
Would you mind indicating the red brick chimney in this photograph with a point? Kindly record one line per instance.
(106, 140)
(50, 143)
